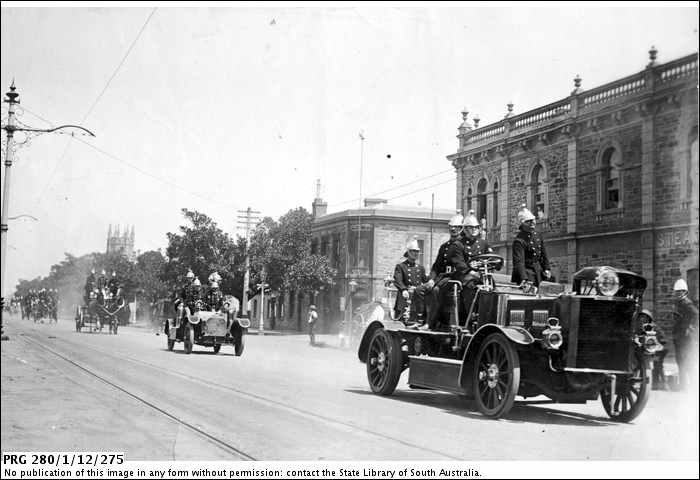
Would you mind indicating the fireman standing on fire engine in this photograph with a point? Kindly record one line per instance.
(409, 275)
(530, 262)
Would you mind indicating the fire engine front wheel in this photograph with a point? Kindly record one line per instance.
(189, 339)
(631, 393)
(496, 376)
(384, 362)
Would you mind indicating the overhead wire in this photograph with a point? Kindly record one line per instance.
(397, 187)
(99, 97)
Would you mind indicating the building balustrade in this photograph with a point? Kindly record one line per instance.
(581, 100)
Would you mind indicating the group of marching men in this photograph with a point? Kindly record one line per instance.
(39, 304)
(453, 262)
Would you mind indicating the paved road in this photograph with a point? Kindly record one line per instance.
(285, 400)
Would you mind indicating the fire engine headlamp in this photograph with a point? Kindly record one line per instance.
(608, 282)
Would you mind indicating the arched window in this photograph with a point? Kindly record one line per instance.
(481, 199)
(538, 192)
(495, 203)
(611, 179)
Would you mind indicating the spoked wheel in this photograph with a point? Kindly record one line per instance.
(496, 376)
(239, 342)
(217, 347)
(189, 339)
(631, 393)
(384, 362)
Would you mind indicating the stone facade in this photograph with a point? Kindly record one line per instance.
(614, 168)
(383, 231)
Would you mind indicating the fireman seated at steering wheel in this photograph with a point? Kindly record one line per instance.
(477, 254)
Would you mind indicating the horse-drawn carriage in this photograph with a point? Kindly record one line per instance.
(509, 340)
(104, 307)
(194, 324)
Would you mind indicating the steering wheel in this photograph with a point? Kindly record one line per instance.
(489, 260)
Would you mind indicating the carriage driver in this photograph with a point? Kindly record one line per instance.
(90, 284)
(450, 263)
(410, 276)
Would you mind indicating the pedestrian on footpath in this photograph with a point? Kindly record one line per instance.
(685, 335)
(313, 317)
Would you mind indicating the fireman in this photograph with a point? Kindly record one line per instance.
(530, 262)
(409, 276)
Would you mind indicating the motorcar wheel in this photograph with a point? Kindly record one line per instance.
(239, 342)
(632, 393)
(384, 362)
(189, 339)
(217, 347)
(496, 376)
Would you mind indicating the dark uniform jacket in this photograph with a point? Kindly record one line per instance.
(215, 300)
(450, 260)
(407, 274)
(529, 258)
(475, 247)
(685, 328)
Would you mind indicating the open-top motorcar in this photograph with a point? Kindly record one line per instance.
(195, 325)
(571, 346)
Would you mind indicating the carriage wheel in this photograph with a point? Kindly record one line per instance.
(189, 339)
(496, 376)
(632, 392)
(384, 362)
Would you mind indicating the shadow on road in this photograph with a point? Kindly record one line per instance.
(523, 411)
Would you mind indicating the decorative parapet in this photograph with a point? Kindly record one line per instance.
(648, 80)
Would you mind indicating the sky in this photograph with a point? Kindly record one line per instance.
(220, 109)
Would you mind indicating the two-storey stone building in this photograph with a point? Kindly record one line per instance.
(611, 173)
(365, 244)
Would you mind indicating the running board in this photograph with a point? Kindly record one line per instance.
(435, 373)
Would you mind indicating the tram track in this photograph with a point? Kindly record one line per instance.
(260, 399)
(220, 443)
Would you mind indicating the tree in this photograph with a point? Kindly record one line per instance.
(204, 248)
(150, 267)
(283, 251)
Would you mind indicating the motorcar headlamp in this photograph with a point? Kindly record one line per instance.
(607, 282)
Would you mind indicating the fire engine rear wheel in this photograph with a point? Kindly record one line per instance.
(384, 362)
(496, 376)
(189, 339)
(631, 394)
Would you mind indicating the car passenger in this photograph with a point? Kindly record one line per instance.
(449, 264)
(410, 276)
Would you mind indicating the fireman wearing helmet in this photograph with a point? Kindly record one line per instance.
(214, 298)
(685, 334)
(530, 262)
(474, 245)
(409, 276)
(185, 294)
(449, 264)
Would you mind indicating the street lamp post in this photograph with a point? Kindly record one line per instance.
(10, 128)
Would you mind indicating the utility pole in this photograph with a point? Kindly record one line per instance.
(247, 222)
(10, 128)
